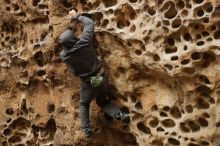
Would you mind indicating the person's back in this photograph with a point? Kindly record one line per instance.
(79, 54)
(81, 57)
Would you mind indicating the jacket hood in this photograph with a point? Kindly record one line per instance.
(67, 39)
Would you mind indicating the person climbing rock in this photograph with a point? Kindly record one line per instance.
(81, 58)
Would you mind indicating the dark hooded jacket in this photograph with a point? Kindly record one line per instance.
(79, 54)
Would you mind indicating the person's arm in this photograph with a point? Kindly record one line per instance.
(88, 23)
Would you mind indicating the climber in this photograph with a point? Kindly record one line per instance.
(81, 58)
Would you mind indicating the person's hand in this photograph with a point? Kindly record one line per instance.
(72, 13)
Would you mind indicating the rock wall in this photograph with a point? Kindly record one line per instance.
(162, 58)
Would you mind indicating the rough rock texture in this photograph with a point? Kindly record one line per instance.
(162, 58)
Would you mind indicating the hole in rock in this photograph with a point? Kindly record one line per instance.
(7, 1)
(201, 103)
(196, 56)
(171, 12)
(204, 143)
(206, 20)
(177, 23)
(218, 124)
(7, 132)
(14, 139)
(203, 122)
(105, 22)
(157, 142)
(121, 69)
(9, 111)
(168, 123)
(166, 108)
(66, 3)
(193, 126)
(196, 26)
(170, 50)
(20, 123)
(163, 114)
(198, 1)
(51, 126)
(184, 127)
(205, 33)
(138, 52)
(184, 13)
(173, 141)
(133, 1)
(174, 133)
(50, 107)
(180, 4)
(204, 79)
(154, 108)
(138, 105)
(170, 67)
(174, 58)
(198, 36)
(208, 58)
(42, 6)
(200, 43)
(185, 48)
(143, 128)
(206, 115)
(120, 24)
(217, 34)
(22, 14)
(16, 7)
(38, 57)
(133, 28)
(154, 122)
(175, 112)
(171, 41)
(35, 2)
(187, 37)
(109, 3)
(8, 8)
(203, 89)
(200, 13)
(9, 120)
(160, 129)
(185, 61)
(151, 11)
(208, 7)
(156, 57)
(24, 106)
(193, 144)
(213, 28)
(166, 22)
(189, 108)
(209, 39)
(132, 15)
(41, 72)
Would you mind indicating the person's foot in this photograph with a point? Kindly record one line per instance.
(123, 117)
(87, 132)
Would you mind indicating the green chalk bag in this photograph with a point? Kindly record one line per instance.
(96, 81)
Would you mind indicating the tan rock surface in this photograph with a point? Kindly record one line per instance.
(162, 58)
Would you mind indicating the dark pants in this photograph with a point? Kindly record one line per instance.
(87, 93)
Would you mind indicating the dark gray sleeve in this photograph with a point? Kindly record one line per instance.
(88, 29)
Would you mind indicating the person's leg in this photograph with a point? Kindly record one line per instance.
(85, 100)
(102, 99)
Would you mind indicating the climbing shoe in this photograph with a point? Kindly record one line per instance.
(123, 117)
(87, 132)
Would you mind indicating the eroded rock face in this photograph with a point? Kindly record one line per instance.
(162, 58)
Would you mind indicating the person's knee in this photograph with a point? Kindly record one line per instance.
(85, 103)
